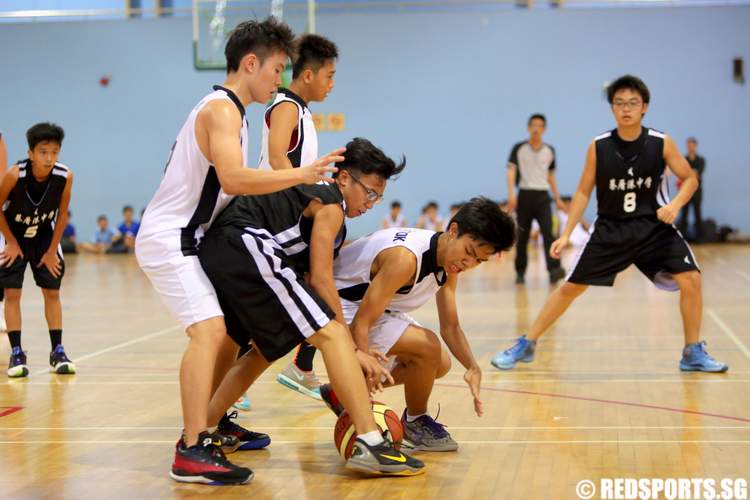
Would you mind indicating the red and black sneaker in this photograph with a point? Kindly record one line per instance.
(249, 440)
(205, 463)
(331, 400)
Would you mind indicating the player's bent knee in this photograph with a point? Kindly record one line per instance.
(331, 333)
(689, 282)
(208, 332)
(445, 364)
(51, 294)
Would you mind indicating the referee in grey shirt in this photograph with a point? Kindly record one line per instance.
(531, 166)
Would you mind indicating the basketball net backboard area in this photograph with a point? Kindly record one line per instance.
(213, 20)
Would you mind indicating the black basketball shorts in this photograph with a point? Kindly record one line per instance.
(12, 276)
(657, 249)
(263, 299)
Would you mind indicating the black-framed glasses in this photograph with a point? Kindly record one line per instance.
(633, 103)
(372, 195)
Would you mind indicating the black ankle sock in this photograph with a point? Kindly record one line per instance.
(304, 358)
(55, 338)
(15, 338)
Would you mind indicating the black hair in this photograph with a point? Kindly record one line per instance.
(483, 220)
(566, 198)
(457, 206)
(364, 157)
(431, 204)
(101, 217)
(693, 140)
(42, 132)
(538, 116)
(395, 204)
(126, 208)
(261, 38)
(628, 82)
(313, 51)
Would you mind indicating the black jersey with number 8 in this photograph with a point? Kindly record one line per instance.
(630, 178)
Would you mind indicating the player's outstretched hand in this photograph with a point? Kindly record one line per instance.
(668, 213)
(374, 371)
(473, 377)
(317, 171)
(10, 254)
(51, 261)
(555, 250)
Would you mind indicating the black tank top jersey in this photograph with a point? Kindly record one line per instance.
(630, 175)
(32, 206)
(280, 214)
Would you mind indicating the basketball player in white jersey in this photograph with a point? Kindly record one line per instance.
(395, 218)
(290, 141)
(383, 276)
(206, 167)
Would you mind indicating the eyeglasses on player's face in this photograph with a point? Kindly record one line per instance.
(372, 195)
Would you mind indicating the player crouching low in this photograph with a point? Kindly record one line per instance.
(386, 274)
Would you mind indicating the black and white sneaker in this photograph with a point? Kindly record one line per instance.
(383, 459)
(59, 362)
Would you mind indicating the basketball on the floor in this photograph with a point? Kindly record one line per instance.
(387, 420)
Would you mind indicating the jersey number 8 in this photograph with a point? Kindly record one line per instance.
(629, 203)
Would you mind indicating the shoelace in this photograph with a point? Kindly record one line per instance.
(232, 426)
(433, 426)
(517, 347)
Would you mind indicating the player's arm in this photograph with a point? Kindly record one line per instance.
(326, 225)
(283, 123)
(3, 157)
(688, 178)
(552, 179)
(511, 176)
(222, 124)
(579, 202)
(50, 259)
(394, 268)
(455, 339)
(12, 249)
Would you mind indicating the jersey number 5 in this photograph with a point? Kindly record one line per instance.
(30, 231)
(629, 203)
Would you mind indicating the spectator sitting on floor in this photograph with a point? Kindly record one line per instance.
(101, 239)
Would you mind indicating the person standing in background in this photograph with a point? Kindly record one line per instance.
(395, 218)
(531, 166)
(3, 168)
(697, 163)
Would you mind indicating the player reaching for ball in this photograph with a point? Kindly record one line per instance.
(256, 255)
(390, 272)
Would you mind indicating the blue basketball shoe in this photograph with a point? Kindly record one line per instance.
(695, 358)
(522, 350)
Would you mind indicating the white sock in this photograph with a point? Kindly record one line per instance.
(372, 438)
(211, 430)
(412, 418)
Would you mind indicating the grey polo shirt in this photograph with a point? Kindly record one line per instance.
(532, 166)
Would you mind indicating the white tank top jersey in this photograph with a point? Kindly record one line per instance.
(351, 269)
(432, 225)
(399, 222)
(189, 196)
(303, 146)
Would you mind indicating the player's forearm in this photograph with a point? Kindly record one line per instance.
(325, 286)
(280, 162)
(458, 345)
(361, 334)
(577, 207)
(251, 181)
(511, 178)
(687, 190)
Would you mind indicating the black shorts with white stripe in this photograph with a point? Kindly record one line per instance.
(263, 299)
(657, 249)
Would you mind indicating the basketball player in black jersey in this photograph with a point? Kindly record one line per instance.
(256, 255)
(634, 225)
(37, 192)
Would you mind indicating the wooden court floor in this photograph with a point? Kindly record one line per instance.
(604, 397)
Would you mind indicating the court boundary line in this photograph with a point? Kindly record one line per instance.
(608, 401)
(728, 332)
